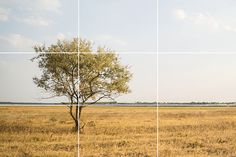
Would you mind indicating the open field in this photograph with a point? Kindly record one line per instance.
(197, 131)
(119, 131)
(36, 132)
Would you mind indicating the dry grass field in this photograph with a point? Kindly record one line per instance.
(37, 132)
(198, 132)
(119, 132)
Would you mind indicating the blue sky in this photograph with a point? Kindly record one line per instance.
(17, 72)
(197, 26)
(25, 23)
(123, 25)
(196, 77)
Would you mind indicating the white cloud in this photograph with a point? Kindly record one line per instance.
(33, 5)
(36, 21)
(180, 14)
(203, 19)
(50, 5)
(29, 7)
(17, 42)
(230, 28)
(60, 36)
(4, 15)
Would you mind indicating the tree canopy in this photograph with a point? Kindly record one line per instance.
(59, 67)
(101, 75)
(85, 76)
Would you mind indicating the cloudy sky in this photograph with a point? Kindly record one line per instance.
(123, 25)
(17, 85)
(25, 23)
(197, 26)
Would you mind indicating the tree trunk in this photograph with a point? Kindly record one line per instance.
(81, 126)
(74, 115)
(76, 123)
(80, 111)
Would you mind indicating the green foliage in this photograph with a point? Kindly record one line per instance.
(59, 73)
(60, 46)
(101, 75)
(85, 46)
(59, 70)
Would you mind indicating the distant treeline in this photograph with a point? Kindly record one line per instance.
(63, 103)
(196, 102)
(115, 102)
(29, 103)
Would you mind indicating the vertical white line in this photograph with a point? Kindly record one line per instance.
(78, 110)
(78, 34)
(157, 81)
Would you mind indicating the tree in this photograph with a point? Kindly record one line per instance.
(60, 72)
(99, 75)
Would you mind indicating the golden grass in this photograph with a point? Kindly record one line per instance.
(37, 132)
(119, 131)
(199, 132)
